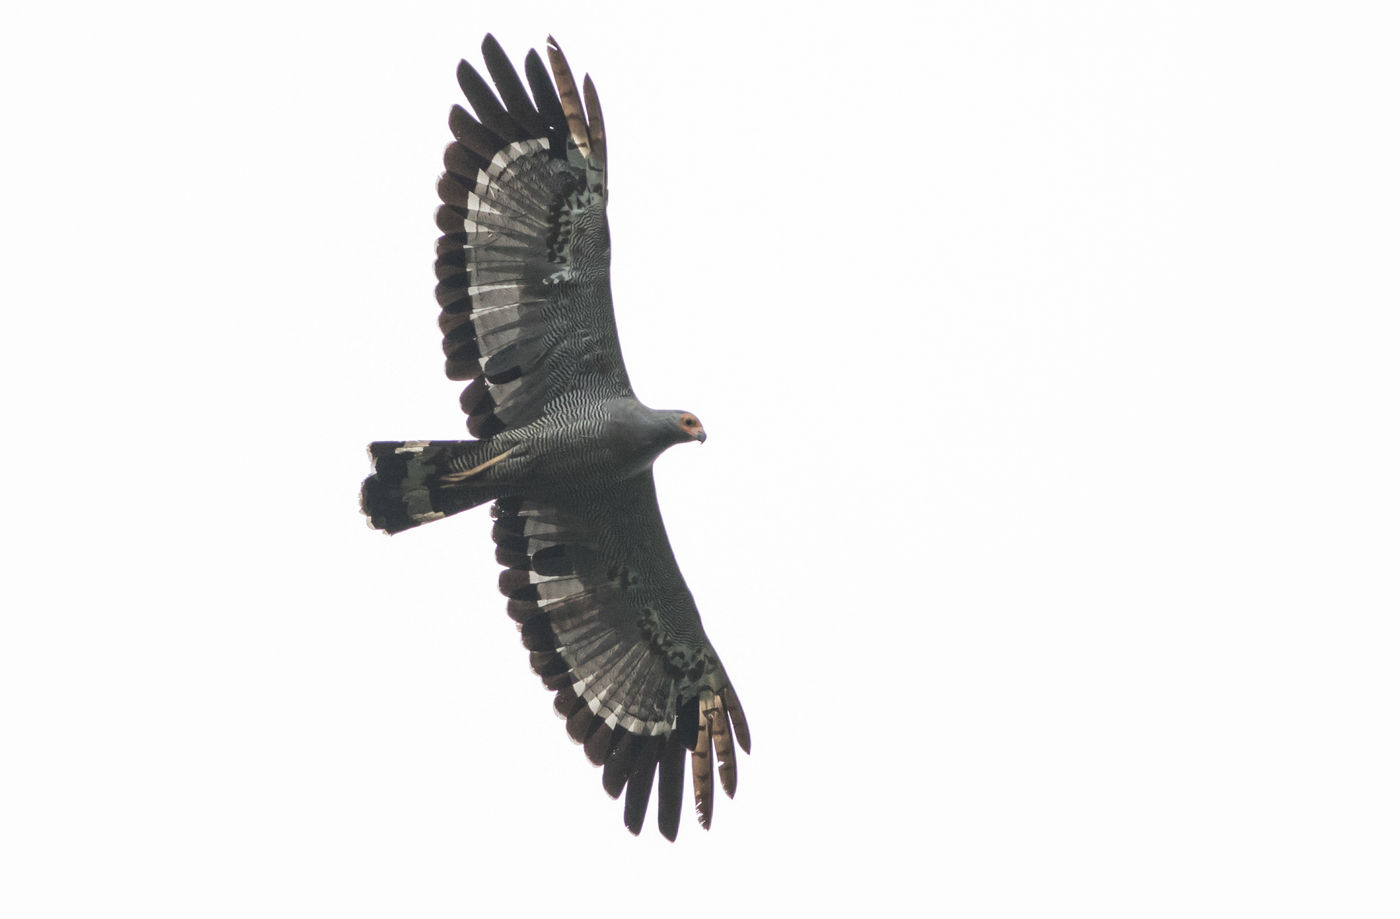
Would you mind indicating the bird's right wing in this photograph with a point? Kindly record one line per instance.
(523, 261)
(613, 630)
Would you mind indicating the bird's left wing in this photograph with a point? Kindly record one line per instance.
(522, 264)
(613, 630)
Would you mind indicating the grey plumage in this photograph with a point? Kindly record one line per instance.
(565, 449)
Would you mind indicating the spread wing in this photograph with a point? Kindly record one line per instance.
(614, 631)
(523, 261)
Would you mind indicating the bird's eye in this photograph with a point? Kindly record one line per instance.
(689, 422)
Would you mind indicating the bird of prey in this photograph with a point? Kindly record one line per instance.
(563, 447)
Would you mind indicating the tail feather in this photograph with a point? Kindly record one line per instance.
(419, 481)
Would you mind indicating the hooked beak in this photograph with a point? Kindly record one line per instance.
(700, 435)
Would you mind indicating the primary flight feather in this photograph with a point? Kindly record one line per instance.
(564, 447)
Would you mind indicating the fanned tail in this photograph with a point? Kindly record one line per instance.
(419, 481)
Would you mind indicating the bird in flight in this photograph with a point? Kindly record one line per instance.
(563, 447)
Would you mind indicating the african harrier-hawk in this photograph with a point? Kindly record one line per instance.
(564, 448)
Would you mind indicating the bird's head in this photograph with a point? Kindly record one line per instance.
(690, 427)
(661, 429)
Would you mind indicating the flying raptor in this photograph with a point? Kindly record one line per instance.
(563, 447)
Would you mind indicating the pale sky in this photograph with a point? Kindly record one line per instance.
(1047, 523)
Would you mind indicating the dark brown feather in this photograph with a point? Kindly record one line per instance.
(514, 583)
(461, 161)
(477, 403)
(462, 355)
(488, 110)
(563, 560)
(601, 742)
(688, 723)
(566, 702)
(472, 135)
(511, 558)
(618, 766)
(453, 290)
(582, 723)
(671, 788)
(451, 223)
(536, 634)
(546, 97)
(454, 241)
(552, 669)
(521, 610)
(450, 263)
(460, 367)
(453, 190)
(559, 677)
(511, 540)
(634, 809)
(508, 528)
(511, 89)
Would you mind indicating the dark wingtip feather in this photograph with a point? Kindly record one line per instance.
(688, 723)
(671, 788)
(618, 765)
(472, 134)
(634, 810)
(547, 101)
(512, 91)
(600, 743)
(489, 110)
(462, 162)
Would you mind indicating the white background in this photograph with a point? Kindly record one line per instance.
(1047, 524)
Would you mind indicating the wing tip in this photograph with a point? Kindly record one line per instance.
(574, 115)
(737, 719)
